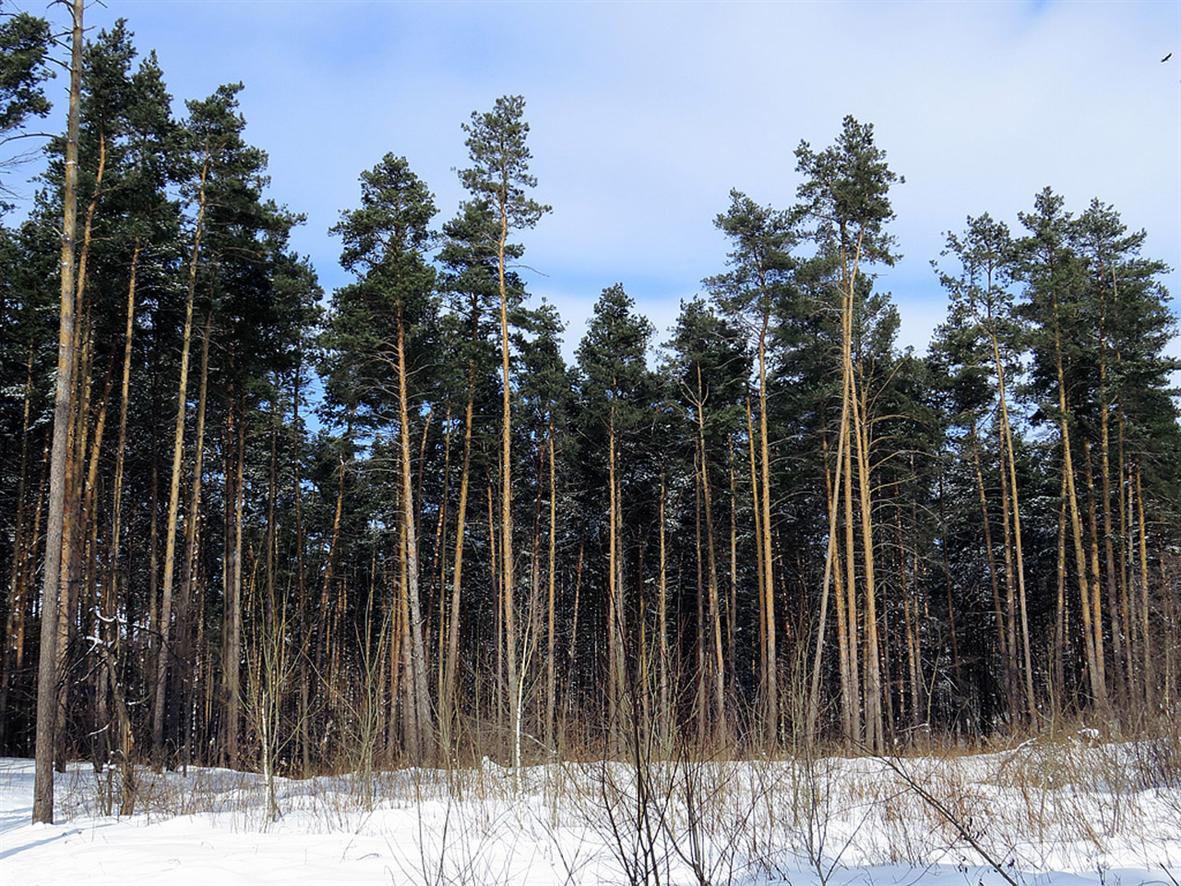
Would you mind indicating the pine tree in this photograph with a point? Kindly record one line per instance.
(384, 244)
(983, 302)
(500, 173)
(845, 195)
(760, 260)
(616, 388)
(709, 366)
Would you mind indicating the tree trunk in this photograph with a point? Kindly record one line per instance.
(184, 617)
(551, 597)
(417, 652)
(47, 677)
(178, 443)
(14, 618)
(718, 667)
(665, 725)
(300, 570)
(756, 509)
(990, 556)
(771, 673)
(447, 704)
(231, 662)
(506, 482)
(1010, 457)
(832, 496)
(614, 672)
(1145, 634)
(1093, 650)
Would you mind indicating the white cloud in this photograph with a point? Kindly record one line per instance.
(645, 115)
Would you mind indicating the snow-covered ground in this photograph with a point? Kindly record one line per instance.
(1058, 814)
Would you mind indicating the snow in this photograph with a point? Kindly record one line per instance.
(1055, 814)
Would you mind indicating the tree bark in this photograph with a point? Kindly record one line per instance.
(424, 740)
(771, 673)
(184, 618)
(178, 444)
(47, 677)
(506, 483)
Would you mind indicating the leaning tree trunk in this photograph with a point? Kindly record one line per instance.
(833, 491)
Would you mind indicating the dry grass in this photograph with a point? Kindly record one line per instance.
(1067, 802)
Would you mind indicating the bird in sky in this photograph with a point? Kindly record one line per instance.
(1166, 58)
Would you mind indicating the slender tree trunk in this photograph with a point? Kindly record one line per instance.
(14, 618)
(732, 594)
(498, 597)
(614, 672)
(1060, 608)
(952, 630)
(47, 677)
(1012, 669)
(718, 667)
(1128, 602)
(110, 606)
(91, 601)
(551, 597)
(833, 491)
(1145, 634)
(184, 617)
(413, 737)
(1096, 581)
(990, 556)
(417, 652)
(760, 572)
(873, 680)
(572, 648)
(303, 714)
(1094, 651)
(438, 572)
(665, 726)
(448, 704)
(700, 703)
(1121, 633)
(852, 643)
(231, 664)
(506, 482)
(1010, 457)
(860, 435)
(330, 559)
(178, 443)
(771, 674)
(72, 528)
(76, 527)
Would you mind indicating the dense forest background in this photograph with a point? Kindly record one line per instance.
(246, 522)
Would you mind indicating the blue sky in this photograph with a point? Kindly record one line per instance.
(645, 115)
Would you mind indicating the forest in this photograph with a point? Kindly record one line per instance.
(249, 523)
